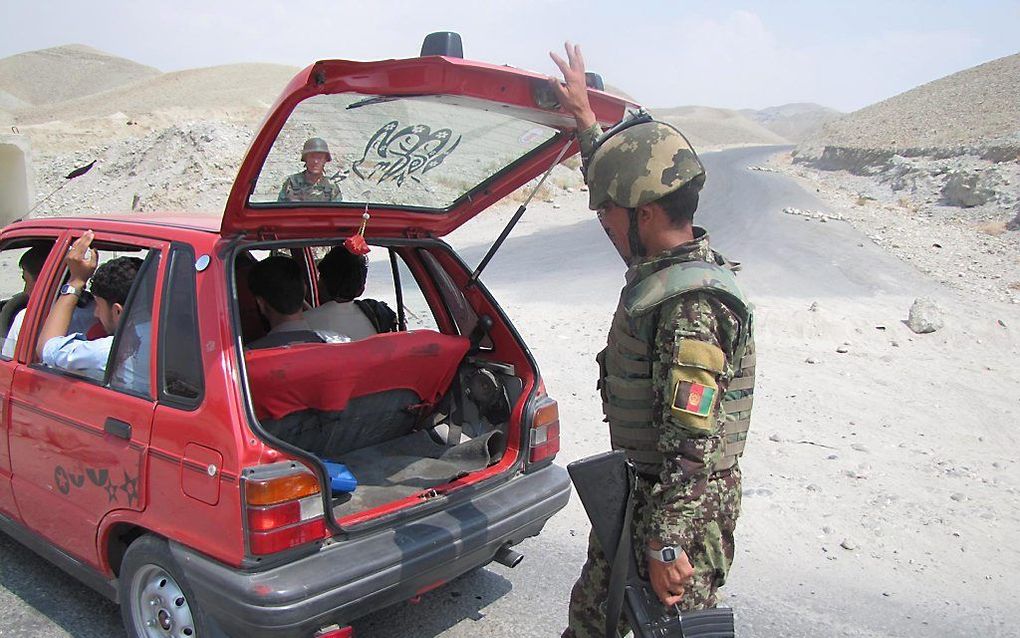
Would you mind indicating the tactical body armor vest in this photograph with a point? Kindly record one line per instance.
(628, 392)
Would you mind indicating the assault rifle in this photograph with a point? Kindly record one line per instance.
(603, 483)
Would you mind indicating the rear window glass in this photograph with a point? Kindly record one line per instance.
(421, 152)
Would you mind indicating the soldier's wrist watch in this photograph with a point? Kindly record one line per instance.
(665, 555)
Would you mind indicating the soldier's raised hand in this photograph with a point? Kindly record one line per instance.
(572, 93)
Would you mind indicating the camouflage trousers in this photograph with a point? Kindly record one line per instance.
(711, 555)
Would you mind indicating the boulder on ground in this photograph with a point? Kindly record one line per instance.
(967, 189)
(925, 316)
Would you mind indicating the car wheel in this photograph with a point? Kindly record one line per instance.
(155, 599)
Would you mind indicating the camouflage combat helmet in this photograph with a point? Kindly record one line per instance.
(315, 145)
(639, 162)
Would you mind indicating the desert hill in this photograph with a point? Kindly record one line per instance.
(233, 87)
(708, 127)
(952, 142)
(794, 122)
(63, 73)
(174, 140)
(977, 107)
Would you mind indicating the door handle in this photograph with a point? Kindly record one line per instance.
(118, 428)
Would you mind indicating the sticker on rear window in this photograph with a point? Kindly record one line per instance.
(394, 154)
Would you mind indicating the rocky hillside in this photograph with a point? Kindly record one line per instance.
(188, 166)
(973, 112)
(933, 175)
(795, 122)
(954, 142)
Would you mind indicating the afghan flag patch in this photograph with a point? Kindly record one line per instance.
(693, 398)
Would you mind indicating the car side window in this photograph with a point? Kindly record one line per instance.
(460, 310)
(128, 369)
(418, 314)
(181, 379)
(21, 262)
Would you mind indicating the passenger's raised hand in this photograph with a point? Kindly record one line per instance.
(81, 259)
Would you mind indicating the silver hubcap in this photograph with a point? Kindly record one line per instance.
(159, 607)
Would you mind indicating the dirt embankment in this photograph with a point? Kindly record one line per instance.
(933, 175)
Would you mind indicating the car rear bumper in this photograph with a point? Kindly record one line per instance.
(349, 579)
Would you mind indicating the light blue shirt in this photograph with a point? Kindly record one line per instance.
(77, 354)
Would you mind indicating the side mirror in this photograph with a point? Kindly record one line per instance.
(594, 81)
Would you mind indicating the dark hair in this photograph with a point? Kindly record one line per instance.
(34, 259)
(681, 203)
(112, 281)
(277, 280)
(343, 273)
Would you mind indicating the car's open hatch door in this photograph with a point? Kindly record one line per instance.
(426, 143)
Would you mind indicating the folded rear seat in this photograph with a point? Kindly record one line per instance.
(332, 398)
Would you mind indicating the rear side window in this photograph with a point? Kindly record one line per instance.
(463, 314)
(131, 354)
(383, 285)
(182, 383)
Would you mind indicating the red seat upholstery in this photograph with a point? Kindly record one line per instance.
(326, 376)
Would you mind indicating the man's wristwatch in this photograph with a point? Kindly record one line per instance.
(665, 555)
(68, 289)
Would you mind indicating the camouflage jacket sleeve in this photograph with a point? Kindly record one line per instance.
(695, 338)
(286, 191)
(586, 139)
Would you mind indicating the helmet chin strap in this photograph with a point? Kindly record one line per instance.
(637, 249)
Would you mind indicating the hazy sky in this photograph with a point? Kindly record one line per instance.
(728, 54)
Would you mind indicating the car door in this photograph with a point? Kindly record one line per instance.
(16, 296)
(77, 443)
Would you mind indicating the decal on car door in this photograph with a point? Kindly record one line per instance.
(65, 480)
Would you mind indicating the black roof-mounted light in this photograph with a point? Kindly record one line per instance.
(594, 81)
(445, 43)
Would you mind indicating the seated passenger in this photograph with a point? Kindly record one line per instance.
(310, 185)
(31, 264)
(342, 279)
(111, 284)
(279, 291)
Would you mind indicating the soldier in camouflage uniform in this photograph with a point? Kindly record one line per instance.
(310, 185)
(677, 375)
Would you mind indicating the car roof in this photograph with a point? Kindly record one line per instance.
(205, 223)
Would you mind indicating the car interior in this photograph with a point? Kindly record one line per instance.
(403, 412)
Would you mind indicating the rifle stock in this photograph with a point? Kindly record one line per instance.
(603, 484)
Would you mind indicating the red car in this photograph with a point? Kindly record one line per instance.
(286, 490)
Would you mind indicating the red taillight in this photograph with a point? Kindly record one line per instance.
(261, 543)
(545, 431)
(283, 510)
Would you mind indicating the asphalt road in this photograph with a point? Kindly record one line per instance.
(575, 265)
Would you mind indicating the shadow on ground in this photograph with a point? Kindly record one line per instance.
(58, 601)
(438, 610)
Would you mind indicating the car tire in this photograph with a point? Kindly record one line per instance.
(155, 599)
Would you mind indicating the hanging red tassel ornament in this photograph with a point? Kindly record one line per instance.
(355, 244)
